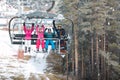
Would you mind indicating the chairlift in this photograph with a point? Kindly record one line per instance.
(16, 33)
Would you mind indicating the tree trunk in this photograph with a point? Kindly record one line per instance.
(104, 49)
(92, 56)
(76, 53)
(102, 59)
(67, 62)
(73, 58)
(97, 57)
(82, 70)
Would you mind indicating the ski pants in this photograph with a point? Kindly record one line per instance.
(27, 43)
(40, 42)
(51, 43)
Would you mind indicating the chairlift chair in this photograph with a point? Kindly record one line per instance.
(18, 38)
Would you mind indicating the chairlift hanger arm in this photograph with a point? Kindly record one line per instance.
(39, 17)
(9, 27)
(53, 3)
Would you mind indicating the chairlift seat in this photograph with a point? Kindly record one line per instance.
(19, 39)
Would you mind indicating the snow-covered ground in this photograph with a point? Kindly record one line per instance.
(12, 68)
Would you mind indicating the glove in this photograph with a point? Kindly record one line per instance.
(42, 25)
(32, 24)
(24, 24)
(53, 21)
(46, 28)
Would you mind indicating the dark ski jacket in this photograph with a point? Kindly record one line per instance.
(60, 32)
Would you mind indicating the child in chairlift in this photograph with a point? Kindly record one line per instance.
(49, 35)
(28, 32)
(40, 37)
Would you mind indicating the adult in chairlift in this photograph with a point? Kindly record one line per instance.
(60, 34)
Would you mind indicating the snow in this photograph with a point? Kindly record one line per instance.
(10, 65)
(6, 9)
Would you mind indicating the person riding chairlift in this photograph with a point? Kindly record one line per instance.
(28, 32)
(61, 34)
(40, 37)
(49, 35)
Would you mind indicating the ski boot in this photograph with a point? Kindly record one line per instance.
(46, 50)
(43, 50)
(29, 49)
(25, 49)
(37, 51)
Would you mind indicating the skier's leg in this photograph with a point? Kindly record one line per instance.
(52, 44)
(46, 44)
(25, 46)
(37, 44)
(43, 45)
(63, 44)
(29, 46)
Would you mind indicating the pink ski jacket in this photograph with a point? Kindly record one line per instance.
(28, 32)
(40, 32)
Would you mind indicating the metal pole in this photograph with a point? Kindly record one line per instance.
(59, 46)
(19, 26)
(20, 11)
(68, 44)
(68, 50)
(72, 25)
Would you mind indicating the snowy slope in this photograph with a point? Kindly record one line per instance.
(12, 68)
(8, 62)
